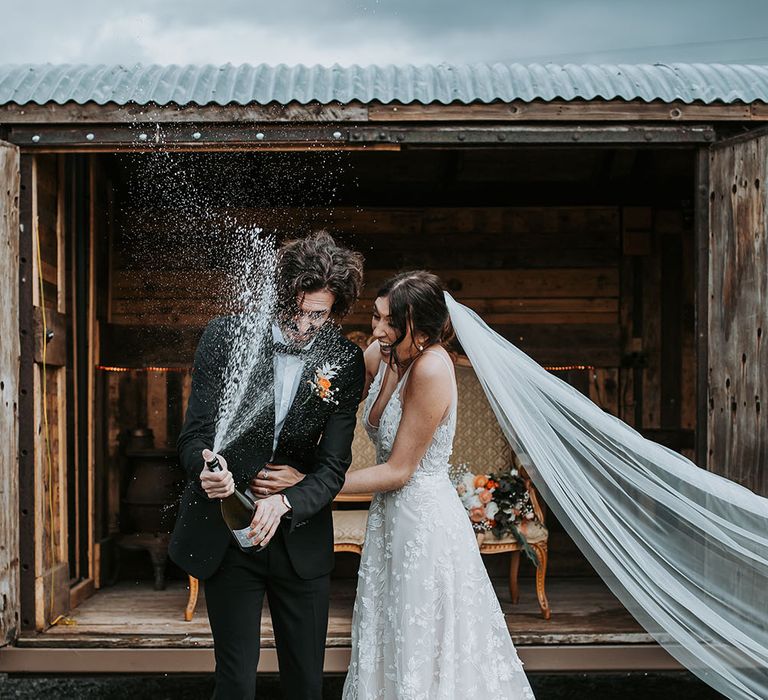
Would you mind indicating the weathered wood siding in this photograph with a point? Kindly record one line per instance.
(9, 393)
(738, 313)
(51, 567)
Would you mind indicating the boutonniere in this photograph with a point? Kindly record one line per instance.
(322, 383)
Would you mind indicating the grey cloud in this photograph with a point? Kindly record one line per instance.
(456, 31)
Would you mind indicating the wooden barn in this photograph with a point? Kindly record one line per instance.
(609, 220)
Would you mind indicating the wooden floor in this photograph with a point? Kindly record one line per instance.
(133, 616)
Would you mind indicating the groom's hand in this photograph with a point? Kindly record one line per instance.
(273, 479)
(217, 484)
(266, 519)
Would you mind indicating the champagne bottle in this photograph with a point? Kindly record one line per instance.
(237, 511)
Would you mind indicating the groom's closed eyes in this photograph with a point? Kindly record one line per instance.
(313, 315)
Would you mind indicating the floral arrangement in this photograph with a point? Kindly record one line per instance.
(496, 503)
(321, 383)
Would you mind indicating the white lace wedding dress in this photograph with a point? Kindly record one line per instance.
(426, 624)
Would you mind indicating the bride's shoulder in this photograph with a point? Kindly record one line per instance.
(434, 365)
(434, 357)
(430, 383)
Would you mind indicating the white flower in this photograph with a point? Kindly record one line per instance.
(468, 480)
(491, 509)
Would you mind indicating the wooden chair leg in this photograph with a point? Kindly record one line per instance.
(541, 573)
(192, 601)
(514, 567)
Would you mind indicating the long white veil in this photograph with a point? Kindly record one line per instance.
(685, 550)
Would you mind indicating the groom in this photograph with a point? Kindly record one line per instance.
(312, 378)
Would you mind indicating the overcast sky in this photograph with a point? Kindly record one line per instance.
(383, 31)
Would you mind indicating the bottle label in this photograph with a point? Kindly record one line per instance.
(243, 540)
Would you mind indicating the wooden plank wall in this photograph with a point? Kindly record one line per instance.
(738, 313)
(527, 271)
(603, 286)
(154, 399)
(9, 394)
(657, 376)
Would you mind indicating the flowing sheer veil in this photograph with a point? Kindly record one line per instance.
(685, 550)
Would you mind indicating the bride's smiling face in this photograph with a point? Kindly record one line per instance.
(386, 334)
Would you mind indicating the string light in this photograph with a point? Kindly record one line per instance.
(109, 368)
(566, 368)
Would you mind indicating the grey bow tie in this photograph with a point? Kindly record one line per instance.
(285, 349)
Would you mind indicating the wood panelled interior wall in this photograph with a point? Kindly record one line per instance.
(580, 257)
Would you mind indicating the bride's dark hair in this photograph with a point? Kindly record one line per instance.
(417, 303)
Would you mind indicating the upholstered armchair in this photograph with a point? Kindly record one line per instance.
(350, 513)
(480, 444)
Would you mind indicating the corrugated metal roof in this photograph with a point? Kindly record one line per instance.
(263, 84)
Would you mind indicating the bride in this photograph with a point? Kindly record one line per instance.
(426, 622)
(685, 550)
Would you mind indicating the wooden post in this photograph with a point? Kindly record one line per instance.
(701, 249)
(9, 392)
(26, 400)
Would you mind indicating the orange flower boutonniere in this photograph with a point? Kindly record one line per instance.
(322, 383)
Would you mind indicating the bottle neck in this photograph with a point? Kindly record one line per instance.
(213, 465)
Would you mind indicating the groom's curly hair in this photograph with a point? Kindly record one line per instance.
(319, 262)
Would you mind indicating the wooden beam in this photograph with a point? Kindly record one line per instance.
(107, 138)
(92, 113)
(537, 659)
(517, 110)
(701, 319)
(569, 110)
(56, 344)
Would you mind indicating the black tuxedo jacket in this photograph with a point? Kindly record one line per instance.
(316, 439)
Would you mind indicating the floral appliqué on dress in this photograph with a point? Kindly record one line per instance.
(426, 623)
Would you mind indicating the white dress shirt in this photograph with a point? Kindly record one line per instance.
(287, 371)
(287, 375)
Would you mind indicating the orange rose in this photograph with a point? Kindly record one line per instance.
(480, 481)
(477, 515)
(324, 383)
(491, 484)
(485, 496)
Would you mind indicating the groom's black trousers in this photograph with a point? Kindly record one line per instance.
(299, 610)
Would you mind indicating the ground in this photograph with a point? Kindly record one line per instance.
(672, 686)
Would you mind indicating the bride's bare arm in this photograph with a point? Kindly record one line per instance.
(427, 397)
(372, 361)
